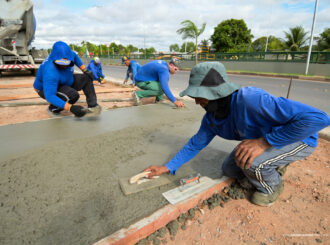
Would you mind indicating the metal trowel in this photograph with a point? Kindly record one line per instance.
(189, 186)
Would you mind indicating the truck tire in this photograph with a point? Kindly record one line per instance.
(34, 72)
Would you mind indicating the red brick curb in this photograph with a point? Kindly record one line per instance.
(159, 219)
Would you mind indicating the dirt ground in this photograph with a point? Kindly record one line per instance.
(300, 216)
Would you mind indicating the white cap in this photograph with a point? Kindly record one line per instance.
(97, 60)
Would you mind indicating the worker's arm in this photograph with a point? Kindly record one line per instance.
(77, 61)
(101, 72)
(291, 121)
(198, 142)
(163, 79)
(134, 71)
(50, 85)
(91, 67)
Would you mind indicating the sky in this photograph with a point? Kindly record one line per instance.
(153, 23)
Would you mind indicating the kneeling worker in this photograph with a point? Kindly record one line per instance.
(153, 79)
(273, 131)
(95, 67)
(132, 68)
(56, 83)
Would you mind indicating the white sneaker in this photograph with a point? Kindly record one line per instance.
(94, 111)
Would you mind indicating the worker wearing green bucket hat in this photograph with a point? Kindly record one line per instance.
(273, 131)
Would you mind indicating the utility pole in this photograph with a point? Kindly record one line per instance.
(311, 38)
(266, 44)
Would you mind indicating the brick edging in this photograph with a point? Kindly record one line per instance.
(159, 219)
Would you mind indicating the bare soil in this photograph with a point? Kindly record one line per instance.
(300, 216)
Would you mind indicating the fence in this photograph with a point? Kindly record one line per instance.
(296, 57)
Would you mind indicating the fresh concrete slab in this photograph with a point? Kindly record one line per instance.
(59, 178)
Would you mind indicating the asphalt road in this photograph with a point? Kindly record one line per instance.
(316, 94)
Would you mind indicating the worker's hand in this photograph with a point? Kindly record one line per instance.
(156, 171)
(100, 79)
(89, 74)
(133, 85)
(125, 81)
(248, 150)
(78, 110)
(179, 103)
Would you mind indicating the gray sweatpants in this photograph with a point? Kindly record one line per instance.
(262, 173)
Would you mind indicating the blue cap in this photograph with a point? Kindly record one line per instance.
(63, 62)
(124, 58)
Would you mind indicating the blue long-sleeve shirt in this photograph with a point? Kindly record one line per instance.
(50, 77)
(96, 69)
(133, 68)
(255, 113)
(156, 70)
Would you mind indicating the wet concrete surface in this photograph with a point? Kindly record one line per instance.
(59, 177)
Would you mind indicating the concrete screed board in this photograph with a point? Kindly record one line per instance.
(59, 177)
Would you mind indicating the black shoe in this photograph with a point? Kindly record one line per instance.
(54, 112)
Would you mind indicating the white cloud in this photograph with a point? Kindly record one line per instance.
(130, 21)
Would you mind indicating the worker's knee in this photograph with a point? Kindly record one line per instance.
(230, 169)
(74, 97)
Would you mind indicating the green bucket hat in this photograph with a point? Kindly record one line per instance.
(209, 80)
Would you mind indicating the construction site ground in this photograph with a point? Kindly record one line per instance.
(44, 199)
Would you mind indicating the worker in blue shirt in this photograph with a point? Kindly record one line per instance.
(132, 68)
(274, 131)
(56, 83)
(95, 67)
(153, 78)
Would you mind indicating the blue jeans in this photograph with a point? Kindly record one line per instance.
(262, 173)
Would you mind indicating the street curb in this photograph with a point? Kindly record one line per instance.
(280, 76)
(148, 225)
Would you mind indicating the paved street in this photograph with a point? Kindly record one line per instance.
(313, 93)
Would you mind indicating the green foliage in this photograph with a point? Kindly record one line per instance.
(148, 51)
(296, 38)
(174, 47)
(274, 44)
(190, 30)
(205, 42)
(191, 47)
(323, 42)
(231, 35)
(114, 49)
(130, 48)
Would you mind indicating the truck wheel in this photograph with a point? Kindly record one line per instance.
(34, 72)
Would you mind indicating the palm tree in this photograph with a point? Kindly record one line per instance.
(296, 38)
(190, 30)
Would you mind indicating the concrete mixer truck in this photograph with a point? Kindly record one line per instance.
(17, 29)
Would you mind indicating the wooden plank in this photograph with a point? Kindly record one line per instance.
(35, 95)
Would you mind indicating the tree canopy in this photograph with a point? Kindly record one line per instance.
(323, 42)
(230, 35)
(190, 30)
(295, 39)
(189, 48)
(174, 47)
(274, 44)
